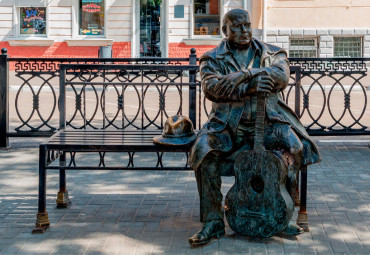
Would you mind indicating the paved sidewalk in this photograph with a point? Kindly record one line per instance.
(143, 212)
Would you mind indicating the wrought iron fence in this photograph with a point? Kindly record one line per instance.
(333, 95)
(28, 106)
(331, 99)
(125, 96)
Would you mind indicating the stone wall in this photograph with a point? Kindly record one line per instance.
(280, 37)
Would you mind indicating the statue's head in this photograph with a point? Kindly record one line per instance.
(237, 27)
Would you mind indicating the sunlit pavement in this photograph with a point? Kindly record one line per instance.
(143, 212)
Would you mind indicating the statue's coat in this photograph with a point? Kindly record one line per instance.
(218, 132)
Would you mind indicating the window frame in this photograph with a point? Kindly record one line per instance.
(192, 21)
(18, 22)
(315, 47)
(350, 36)
(76, 23)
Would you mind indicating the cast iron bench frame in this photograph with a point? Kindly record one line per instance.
(130, 141)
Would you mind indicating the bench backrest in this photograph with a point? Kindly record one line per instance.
(102, 96)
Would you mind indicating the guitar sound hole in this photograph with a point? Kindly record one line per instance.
(257, 184)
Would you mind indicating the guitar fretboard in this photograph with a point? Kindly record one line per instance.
(260, 122)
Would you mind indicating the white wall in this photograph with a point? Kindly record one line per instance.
(6, 21)
(119, 20)
(60, 22)
(179, 28)
(62, 18)
(232, 4)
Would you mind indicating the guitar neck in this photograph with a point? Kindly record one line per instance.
(260, 122)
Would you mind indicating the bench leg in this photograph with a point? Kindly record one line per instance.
(62, 197)
(297, 200)
(42, 221)
(302, 219)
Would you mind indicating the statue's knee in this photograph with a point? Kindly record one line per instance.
(296, 148)
(209, 165)
(292, 142)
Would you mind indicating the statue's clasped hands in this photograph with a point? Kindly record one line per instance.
(260, 82)
(227, 85)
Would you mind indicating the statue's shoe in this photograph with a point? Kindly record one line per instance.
(293, 229)
(211, 229)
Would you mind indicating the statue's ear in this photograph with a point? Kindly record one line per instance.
(224, 30)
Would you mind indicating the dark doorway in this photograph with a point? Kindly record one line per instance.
(150, 28)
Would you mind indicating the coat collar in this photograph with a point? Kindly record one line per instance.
(261, 49)
(224, 48)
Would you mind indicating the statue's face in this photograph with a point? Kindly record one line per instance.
(238, 29)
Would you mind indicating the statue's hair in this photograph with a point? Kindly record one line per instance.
(233, 13)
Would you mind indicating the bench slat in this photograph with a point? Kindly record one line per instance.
(109, 140)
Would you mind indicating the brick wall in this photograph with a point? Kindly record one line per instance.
(120, 50)
(62, 50)
(181, 50)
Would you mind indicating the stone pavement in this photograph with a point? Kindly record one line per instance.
(141, 212)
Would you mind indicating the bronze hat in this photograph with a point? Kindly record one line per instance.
(178, 130)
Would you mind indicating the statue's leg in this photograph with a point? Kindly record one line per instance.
(281, 136)
(211, 212)
(209, 188)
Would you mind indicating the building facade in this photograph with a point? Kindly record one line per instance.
(169, 28)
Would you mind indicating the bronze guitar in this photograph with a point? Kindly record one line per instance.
(258, 204)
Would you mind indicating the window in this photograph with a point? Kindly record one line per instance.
(206, 17)
(91, 17)
(303, 48)
(348, 47)
(32, 20)
(150, 22)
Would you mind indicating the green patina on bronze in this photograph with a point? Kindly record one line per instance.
(233, 74)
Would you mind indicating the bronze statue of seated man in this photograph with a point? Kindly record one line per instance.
(232, 74)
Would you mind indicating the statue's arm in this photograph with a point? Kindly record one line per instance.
(278, 70)
(237, 86)
(218, 87)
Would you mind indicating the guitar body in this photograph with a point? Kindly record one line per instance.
(258, 204)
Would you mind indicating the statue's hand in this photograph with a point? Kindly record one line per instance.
(260, 84)
(229, 83)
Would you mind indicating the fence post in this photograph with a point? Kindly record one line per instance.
(298, 77)
(192, 88)
(62, 97)
(4, 98)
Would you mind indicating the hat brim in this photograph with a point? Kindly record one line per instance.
(174, 141)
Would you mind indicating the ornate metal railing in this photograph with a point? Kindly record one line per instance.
(334, 95)
(31, 99)
(331, 65)
(332, 99)
(99, 95)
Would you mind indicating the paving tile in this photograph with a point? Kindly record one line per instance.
(141, 212)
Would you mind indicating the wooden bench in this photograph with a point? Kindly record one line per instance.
(129, 133)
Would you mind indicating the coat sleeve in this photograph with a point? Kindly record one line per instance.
(279, 70)
(277, 67)
(211, 75)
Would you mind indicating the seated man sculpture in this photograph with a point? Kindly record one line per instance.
(232, 74)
